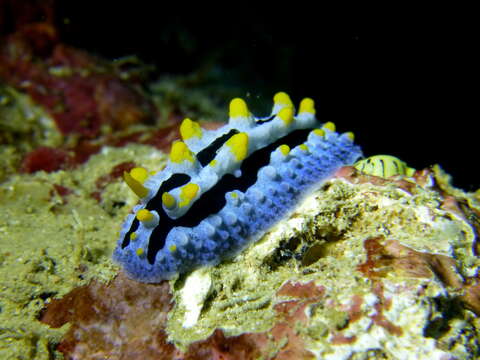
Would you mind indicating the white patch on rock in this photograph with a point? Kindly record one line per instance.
(193, 294)
(424, 215)
(406, 312)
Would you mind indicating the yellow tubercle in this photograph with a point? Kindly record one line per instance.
(213, 162)
(282, 98)
(234, 195)
(319, 132)
(168, 200)
(329, 126)
(140, 251)
(350, 135)
(286, 114)
(303, 147)
(140, 190)
(180, 152)
(144, 215)
(307, 105)
(189, 129)
(188, 193)
(284, 149)
(173, 248)
(238, 144)
(238, 108)
(133, 236)
(140, 174)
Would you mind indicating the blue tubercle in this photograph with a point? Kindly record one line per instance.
(223, 189)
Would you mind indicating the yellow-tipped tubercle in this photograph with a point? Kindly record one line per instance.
(286, 114)
(188, 193)
(238, 108)
(307, 105)
(238, 145)
(319, 132)
(140, 174)
(168, 200)
(140, 190)
(180, 152)
(350, 135)
(282, 98)
(189, 129)
(144, 215)
(284, 149)
(329, 126)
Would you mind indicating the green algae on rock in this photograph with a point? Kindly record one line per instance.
(373, 304)
(364, 268)
(23, 126)
(55, 236)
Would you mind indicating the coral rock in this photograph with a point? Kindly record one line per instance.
(122, 320)
(392, 276)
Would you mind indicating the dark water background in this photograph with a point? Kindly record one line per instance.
(401, 78)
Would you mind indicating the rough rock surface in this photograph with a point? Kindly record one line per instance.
(366, 268)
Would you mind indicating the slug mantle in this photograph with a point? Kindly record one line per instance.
(223, 189)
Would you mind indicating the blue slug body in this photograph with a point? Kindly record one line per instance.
(225, 188)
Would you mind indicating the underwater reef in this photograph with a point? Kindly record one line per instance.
(317, 254)
(364, 267)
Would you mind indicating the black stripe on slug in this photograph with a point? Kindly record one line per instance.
(172, 182)
(213, 200)
(265, 120)
(209, 153)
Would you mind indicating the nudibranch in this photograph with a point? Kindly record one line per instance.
(384, 166)
(223, 189)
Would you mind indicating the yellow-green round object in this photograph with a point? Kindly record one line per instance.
(383, 166)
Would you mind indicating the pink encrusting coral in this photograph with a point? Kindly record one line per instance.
(47, 159)
(127, 320)
(122, 320)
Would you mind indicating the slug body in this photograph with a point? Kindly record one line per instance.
(223, 189)
(384, 166)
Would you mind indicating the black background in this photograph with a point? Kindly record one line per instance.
(401, 78)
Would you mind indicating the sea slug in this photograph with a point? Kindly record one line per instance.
(384, 166)
(222, 189)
